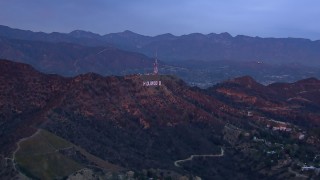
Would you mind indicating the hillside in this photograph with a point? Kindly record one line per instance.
(147, 129)
(296, 102)
(106, 114)
(72, 59)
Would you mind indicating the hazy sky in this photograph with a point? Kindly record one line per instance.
(265, 18)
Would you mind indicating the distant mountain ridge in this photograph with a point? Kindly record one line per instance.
(195, 46)
(71, 59)
(200, 60)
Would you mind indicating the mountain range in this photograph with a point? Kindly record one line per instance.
(201, 60)
(196, 46)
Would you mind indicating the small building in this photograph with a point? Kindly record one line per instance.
(271, 152)
(281, 128)
(301, 136)
(130, 174)
(308, 168)
(255, 139)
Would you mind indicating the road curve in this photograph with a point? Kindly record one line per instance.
(176, 163)
(18, 147)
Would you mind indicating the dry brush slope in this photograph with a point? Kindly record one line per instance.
(115, 118)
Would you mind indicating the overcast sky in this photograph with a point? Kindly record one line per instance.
(264, 18)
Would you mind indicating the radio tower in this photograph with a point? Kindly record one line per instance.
(155, 65)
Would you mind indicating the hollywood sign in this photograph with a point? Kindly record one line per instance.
(151, 83)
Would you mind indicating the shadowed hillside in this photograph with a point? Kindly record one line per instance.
(137, 127)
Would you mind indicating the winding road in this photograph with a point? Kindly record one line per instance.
(18, 147)
(297, 174)
(176, 163)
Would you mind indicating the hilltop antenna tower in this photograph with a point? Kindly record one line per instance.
(155, 65)
(152, 79)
